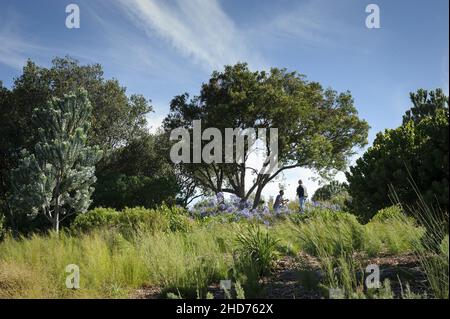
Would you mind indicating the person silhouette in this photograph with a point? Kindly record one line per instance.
(302, 194)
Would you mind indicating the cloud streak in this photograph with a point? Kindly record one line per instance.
(198, 29)
(315, 24)
(13, 49)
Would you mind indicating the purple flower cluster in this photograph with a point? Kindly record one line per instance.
(234, 209)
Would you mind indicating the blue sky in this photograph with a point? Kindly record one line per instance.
(164, 48)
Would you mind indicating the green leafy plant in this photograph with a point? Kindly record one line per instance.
(56, 180)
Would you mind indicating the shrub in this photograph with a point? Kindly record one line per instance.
(179, 219)
(97, 218)
(131, 220)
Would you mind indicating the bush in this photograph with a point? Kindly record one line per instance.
(97, 218)
(131, 220)
(178, 218)
(120, 190)
(334, 193)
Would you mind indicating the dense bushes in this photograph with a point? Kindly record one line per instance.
(388, 213)
(417, 150)
(131, 220)
(334, 193)
(120, 190)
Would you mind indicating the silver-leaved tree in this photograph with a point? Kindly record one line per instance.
(56, 180)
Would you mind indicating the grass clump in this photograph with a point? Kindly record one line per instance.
(392, 232)
(185, 263)
(332, 233)
(254, 257)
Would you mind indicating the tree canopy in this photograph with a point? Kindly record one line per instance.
(138, 174)
(55, 180)
(116, 118)
(414, 153)
(317, 128)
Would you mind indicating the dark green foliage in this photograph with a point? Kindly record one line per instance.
(416, 151)
(119, 190)
(328, 191)
(425, 104)
(137, 174)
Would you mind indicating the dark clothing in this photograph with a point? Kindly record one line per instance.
(278, 201)
(301, 191)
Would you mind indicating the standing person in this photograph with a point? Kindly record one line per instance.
(278, 202)
(302, 194)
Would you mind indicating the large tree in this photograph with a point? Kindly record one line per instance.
(55, 180)
(317, 128)
(116, 118)
(414, 153)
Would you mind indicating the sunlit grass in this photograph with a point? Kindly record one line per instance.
(185, 262)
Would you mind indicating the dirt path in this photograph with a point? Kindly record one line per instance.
(299, 277)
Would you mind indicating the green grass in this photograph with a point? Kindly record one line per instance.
(338, 233)
(111, 266)
(184, 257)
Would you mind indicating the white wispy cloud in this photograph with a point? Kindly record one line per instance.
(315, 23)
(12, 51)
(13, 48)
(198, 29)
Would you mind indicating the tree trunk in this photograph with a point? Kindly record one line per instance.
(56, 222)
(257, 197)
(12, 220)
